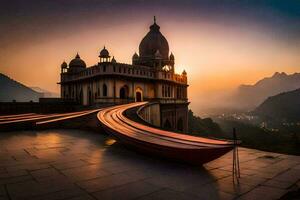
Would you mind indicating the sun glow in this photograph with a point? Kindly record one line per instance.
(216, 57)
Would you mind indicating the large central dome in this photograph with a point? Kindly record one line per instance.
(154, 41)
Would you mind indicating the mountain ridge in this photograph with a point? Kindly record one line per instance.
(283, 106)
(46, 93)
(12, 90)
(251, 96)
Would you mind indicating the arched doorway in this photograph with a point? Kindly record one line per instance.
(138, 95)
(124, 92)
(180, 124)
(167, 124)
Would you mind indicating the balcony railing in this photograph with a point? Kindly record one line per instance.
(125, 70)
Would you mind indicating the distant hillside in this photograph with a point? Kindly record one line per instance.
(45, 93)
(11, 90)
(250, 96)
(202, 127)
(282, 106)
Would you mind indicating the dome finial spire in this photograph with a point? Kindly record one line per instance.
(154, 19)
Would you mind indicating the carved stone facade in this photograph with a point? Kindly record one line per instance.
(150, 77)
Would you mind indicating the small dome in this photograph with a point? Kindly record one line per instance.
(172, 57)
(104, 53)
(113, 60)
(184, 72)
(135, 56)
(77, 62)
(64, 65)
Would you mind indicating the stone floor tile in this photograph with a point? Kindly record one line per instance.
(127, 191)
(105, 182)
(63, 194)
(219, 173)
(292, 176)
(25, 156)
(235, 188)
(119, 166)
(68, 165)
(142, 174)
(42, 173)
(10, 174)
(98, 160)
(264, 175)
(32, 189)
(55, 164)
(181, 182)
(167, 194)
(49, 154)
(17, 179)
(57, 178)
(263, 192)
(278, 184)
(61, 158)
(297, 167)
(85, 172)
(247, 180)
(82, 197)
(27, 167)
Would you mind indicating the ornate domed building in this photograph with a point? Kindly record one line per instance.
(76, 64)
(150, 77)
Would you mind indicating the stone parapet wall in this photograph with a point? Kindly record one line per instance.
(169, 116)
(150, 113)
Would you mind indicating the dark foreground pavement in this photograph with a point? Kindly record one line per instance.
(73, 164)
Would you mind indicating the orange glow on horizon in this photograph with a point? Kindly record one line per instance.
(216, 57)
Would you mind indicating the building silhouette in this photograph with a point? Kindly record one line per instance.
(150, 77)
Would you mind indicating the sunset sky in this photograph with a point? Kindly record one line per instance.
(220, 43)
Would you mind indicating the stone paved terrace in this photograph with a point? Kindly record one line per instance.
(73, 164)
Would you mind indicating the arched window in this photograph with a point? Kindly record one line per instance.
(167, 124)
(104, 90)
(163, 91)
(90, 97)
(180, 124)
(124, 92)
(166, 91)
(80, 96)
(98, 91)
